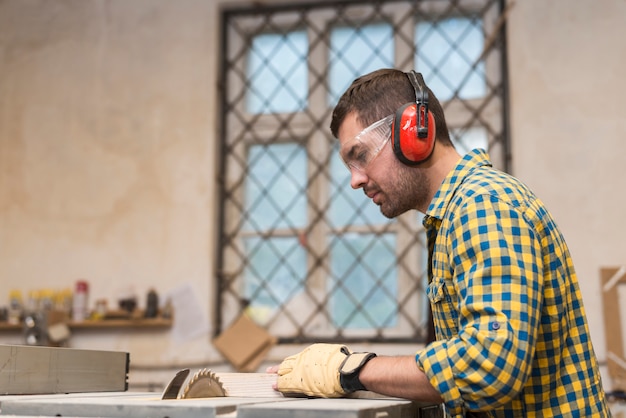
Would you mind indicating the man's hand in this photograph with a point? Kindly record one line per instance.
(314, 371)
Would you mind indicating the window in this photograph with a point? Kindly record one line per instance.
(277, 73)
(309, 257)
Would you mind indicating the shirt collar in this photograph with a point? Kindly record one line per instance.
(474, 159)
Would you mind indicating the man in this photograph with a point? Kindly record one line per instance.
(512, 339)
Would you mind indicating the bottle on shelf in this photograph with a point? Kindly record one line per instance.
(16, 307)
(80, 301)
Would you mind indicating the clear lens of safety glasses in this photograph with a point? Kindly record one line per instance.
(358, 152)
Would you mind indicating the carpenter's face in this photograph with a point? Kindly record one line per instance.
(368, 154)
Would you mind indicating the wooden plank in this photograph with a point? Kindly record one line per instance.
(616, 357)
(121, 323)
(256, 385)
(147, 323)
(260, 385)
(48, 370)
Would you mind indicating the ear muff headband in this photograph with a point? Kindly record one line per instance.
(412, 128)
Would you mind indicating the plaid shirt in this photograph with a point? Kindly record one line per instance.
(512, 336)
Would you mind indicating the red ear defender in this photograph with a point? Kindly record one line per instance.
(413, 129)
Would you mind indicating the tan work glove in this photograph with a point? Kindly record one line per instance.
(314, 371)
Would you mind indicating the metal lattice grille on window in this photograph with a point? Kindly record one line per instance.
(312, 258)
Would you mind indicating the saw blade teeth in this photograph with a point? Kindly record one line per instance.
(203, 384)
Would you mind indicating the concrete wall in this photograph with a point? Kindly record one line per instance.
(108, 133)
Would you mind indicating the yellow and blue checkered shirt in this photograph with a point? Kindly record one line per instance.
(512, 336)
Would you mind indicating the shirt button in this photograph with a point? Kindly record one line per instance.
(495, 326)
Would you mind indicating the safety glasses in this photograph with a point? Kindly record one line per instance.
(358, 152)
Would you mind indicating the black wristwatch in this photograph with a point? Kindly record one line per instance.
(350, 369)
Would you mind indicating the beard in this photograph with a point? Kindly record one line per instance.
(407, 190)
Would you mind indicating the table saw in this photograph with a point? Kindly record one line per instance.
(52, 382)
(134, 404)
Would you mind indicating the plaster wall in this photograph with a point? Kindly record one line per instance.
(107, 156)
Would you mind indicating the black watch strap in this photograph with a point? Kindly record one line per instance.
(350, 369)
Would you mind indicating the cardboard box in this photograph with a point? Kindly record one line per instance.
(611, 278)
(244, 344)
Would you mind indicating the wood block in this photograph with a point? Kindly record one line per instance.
(48, 370)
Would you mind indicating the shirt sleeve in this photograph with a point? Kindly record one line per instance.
(486, 293)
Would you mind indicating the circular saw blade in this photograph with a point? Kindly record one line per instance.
(203, 384)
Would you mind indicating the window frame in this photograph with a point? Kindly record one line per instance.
(316, 140)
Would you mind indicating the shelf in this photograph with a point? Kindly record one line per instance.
(104, 324)
(122, 323)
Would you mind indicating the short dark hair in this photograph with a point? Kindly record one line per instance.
(380, 93)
